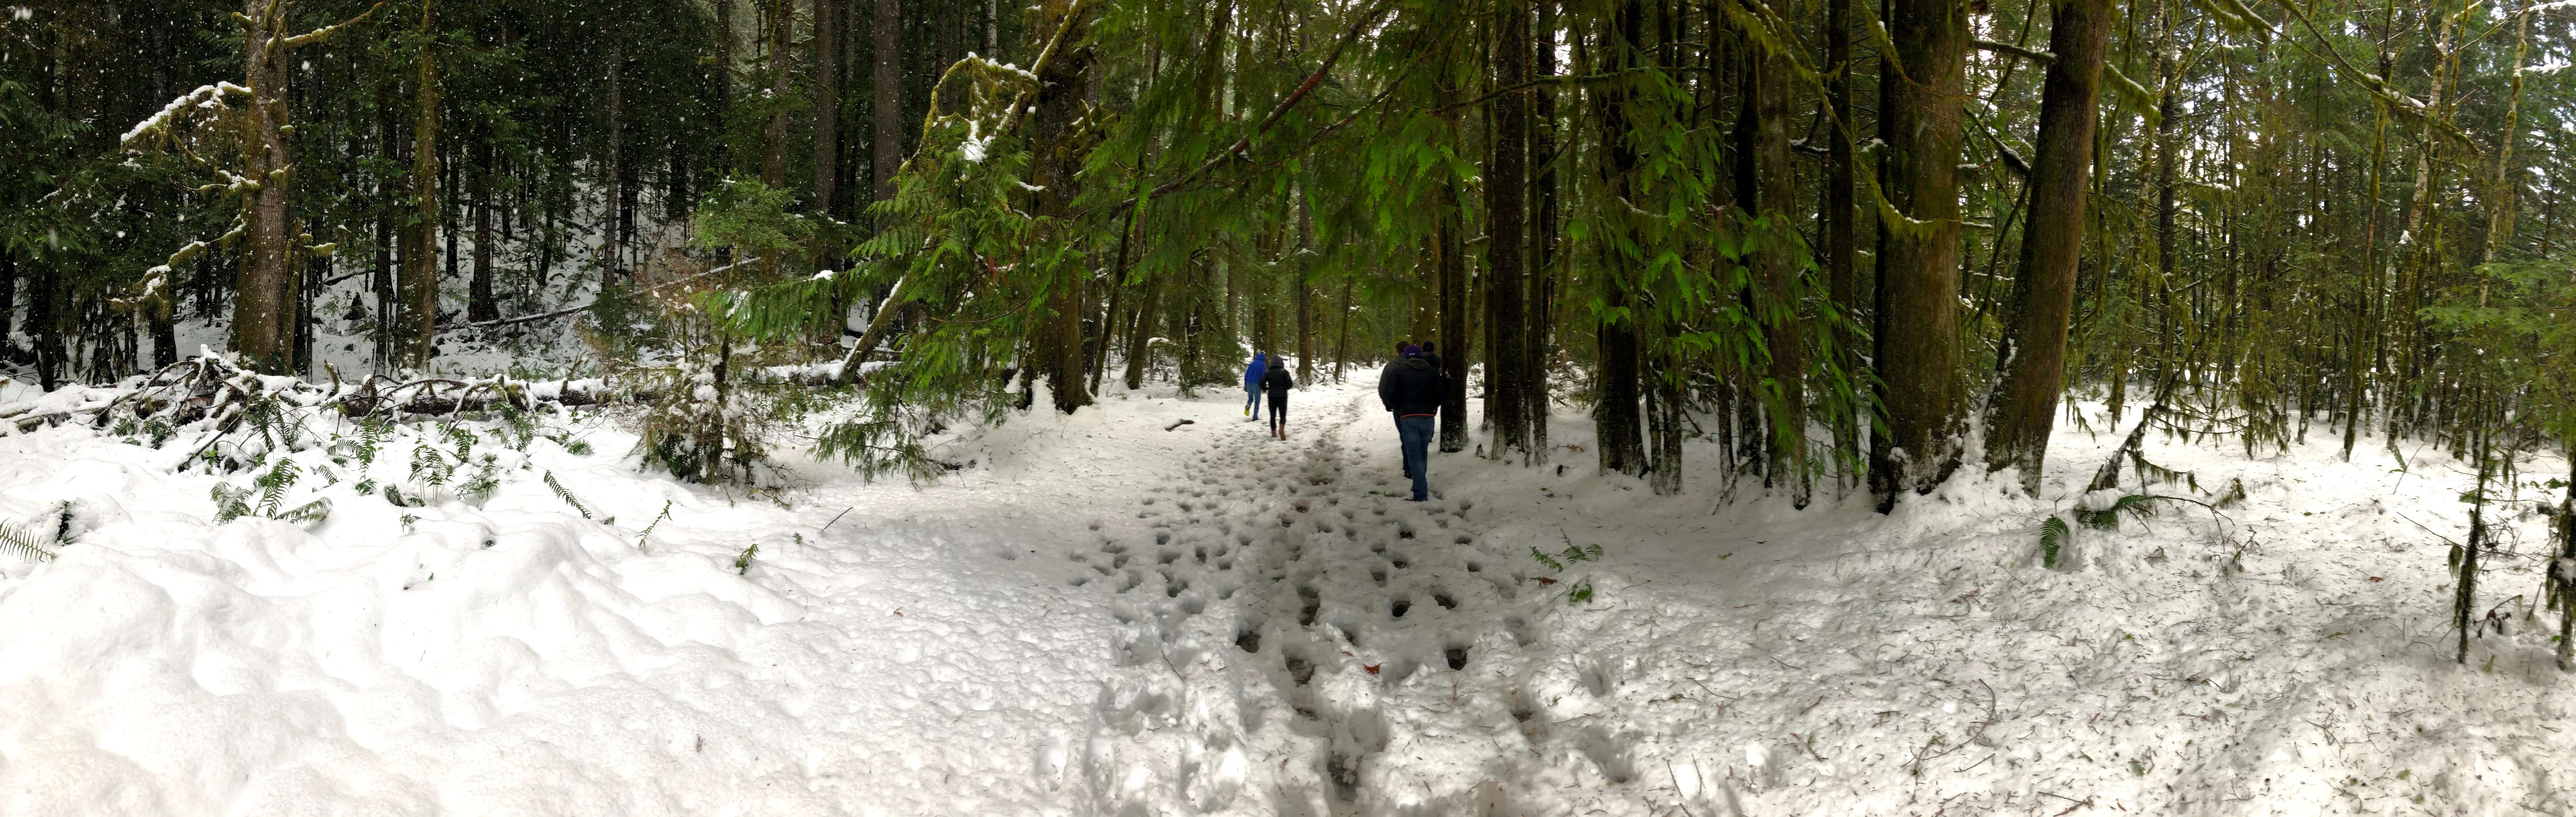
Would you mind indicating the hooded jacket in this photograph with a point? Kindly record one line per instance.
(1276, 384)
(1252, 372)
(1412, 387)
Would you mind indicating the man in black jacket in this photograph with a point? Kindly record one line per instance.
(1276, 383)
(1411, 390)
(1386, 376)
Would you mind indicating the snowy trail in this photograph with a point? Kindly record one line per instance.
(1299, 640)
(1116, 614)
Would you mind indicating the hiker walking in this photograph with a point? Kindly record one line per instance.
(1386, 375)
(1411, 391)
(1277, 383)
(1252, 385)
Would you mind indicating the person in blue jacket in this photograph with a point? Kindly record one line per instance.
(1252, 373)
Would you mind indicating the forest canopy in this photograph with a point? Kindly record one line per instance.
(1859, 244)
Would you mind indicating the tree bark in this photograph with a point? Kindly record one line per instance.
(773, 136)
(1455, 347)
(420, 269)
(1918, 353)
(1775, 197)
(1842, 214)
(480, 303)
(827, 104)
(45, 308)
(612, 245)
(1621, 444)
(260, 330)
(1540, 286)
(1304, 293)
(1506, 211)
(9, 294)
(887, 97)
(1062, 83)
(2033, 356)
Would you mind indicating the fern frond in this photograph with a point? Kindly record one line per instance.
(1544, 559)
(2052, 538)
(231, 502)
(742, 563)
(18, 540)
(308, 514)
(657, 522)
(273, 485)
(566, 495)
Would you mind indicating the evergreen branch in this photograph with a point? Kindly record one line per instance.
(1244, 144)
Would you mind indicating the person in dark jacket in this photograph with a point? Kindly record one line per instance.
(1386, 376)
(1414, 397)
(1252, 385)
(1276, 383)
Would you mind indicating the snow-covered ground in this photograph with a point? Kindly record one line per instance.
(1107, 614)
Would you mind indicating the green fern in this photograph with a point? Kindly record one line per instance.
(427, 465)
(566, 495)
(742, 563)
(2109, 518)
(371, 439)
(1543, 559)
(18, 540)
(308, 514)
(231, 502)
(465, 440)
(485, 482)
(657, 522)
(2052, 538)
(273, 485)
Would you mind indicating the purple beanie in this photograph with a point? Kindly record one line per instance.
(1411, 350)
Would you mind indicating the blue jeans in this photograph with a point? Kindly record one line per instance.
(1252, 400)
(1416, 434)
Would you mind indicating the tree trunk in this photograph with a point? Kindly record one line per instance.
(1540, 314)
(887, 96)
(827, 103)
(1842, 214)
(1059, 106)
(45, 307)
(612, 244)
(260, 330)
(1506, 211)
(1456, 348)
(1140, 338)
(773, 136)
(1621, 442)
(1342, 336)
(381, 283)
(1918, 354)
(1304, 293)
(480, 303)
(9, 297)
(1775, 198)
(2033, 356)
(420, 270)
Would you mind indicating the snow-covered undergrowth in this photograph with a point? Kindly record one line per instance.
(1114, 614)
